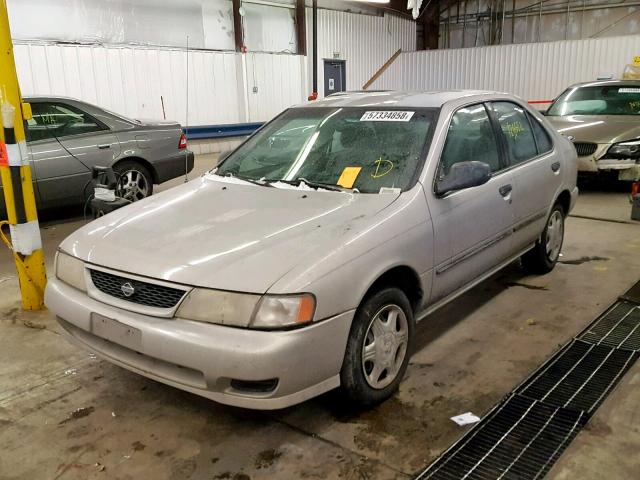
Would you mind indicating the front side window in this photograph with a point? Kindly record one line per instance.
(55, 120)
(517, 131)
(362, 148)
(470, 137)
(598, 100)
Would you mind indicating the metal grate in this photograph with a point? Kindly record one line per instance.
(579, 377)
(524, 436)
(617, 328)
(633, 294)
(148, 294)
(585, 149)
(521, 439)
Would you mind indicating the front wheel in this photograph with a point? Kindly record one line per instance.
(544, 255)
(378, 347)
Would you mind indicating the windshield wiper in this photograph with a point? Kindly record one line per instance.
(249, 180)
(316, 185)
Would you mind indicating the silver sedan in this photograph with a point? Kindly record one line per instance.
(304, 260)
(67, 137)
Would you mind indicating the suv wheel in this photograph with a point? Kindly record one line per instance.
(378, 347)
(544, 255)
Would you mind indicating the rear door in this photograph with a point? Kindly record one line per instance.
(535, 167)
(472, 227)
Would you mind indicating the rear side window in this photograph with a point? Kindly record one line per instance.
(470, 137)
(543, 141)
(517, 131)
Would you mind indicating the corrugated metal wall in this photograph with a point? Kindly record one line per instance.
(131, 80)
(224, 87)
(534, 71)
(365, 41)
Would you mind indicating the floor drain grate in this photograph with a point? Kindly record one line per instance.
(579, 377)
(521, 439)
(617, 328)
(523, 436)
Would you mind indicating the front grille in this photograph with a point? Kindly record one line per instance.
(148, 294)
(585, 149)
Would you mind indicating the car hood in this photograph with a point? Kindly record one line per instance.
(598, 128)
(224, 235)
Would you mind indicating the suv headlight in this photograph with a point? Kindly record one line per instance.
(70, 270)
(630, 149)
(247, 310)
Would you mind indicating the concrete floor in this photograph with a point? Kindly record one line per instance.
(66, 415)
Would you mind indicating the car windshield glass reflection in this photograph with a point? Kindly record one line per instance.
(598, 100)
(352, 148)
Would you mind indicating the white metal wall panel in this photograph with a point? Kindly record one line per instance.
(365, 41)
(274, 82)
(131, 81)
(534, 71)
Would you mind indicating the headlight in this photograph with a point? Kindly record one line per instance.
(247, 310)
(215, 306)
(70, 270)
(284, 310)
(629, 149)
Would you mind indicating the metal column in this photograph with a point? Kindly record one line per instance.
(15, 171)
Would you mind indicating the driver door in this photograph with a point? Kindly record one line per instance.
(472, 227)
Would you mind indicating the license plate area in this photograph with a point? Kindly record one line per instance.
(116, 332)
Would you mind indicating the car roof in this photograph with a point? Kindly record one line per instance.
(381, 98)
(50, 97)
(603, 83)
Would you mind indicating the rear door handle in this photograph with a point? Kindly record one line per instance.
(104, 146)
(555, 166)
(505, 190)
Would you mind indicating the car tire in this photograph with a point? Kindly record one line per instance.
(544, 255)
(137, 180)
(378, 348)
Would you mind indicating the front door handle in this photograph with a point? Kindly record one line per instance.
(505, 190)
(555, 166)
(104, 146)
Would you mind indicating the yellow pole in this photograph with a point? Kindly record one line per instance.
(16, 177)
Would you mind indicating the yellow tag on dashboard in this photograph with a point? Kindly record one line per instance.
(349, 176)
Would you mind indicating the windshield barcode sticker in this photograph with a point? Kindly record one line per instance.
(387, 116)
(629, 90)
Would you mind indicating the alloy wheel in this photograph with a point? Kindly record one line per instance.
(132, 185)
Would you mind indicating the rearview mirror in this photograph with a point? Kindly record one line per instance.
(464, 175)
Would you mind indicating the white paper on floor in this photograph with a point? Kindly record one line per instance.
(465, 419)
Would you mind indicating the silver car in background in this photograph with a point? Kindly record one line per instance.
(303, 261)
(604, 120)
(67, 137)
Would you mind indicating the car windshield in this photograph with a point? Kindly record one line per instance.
(351, 148)
(616, 99)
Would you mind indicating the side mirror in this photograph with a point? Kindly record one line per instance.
(464, 175)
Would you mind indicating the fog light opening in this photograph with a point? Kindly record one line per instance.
(254, 386)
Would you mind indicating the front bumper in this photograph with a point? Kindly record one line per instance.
(203, 358)
(597, 161)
